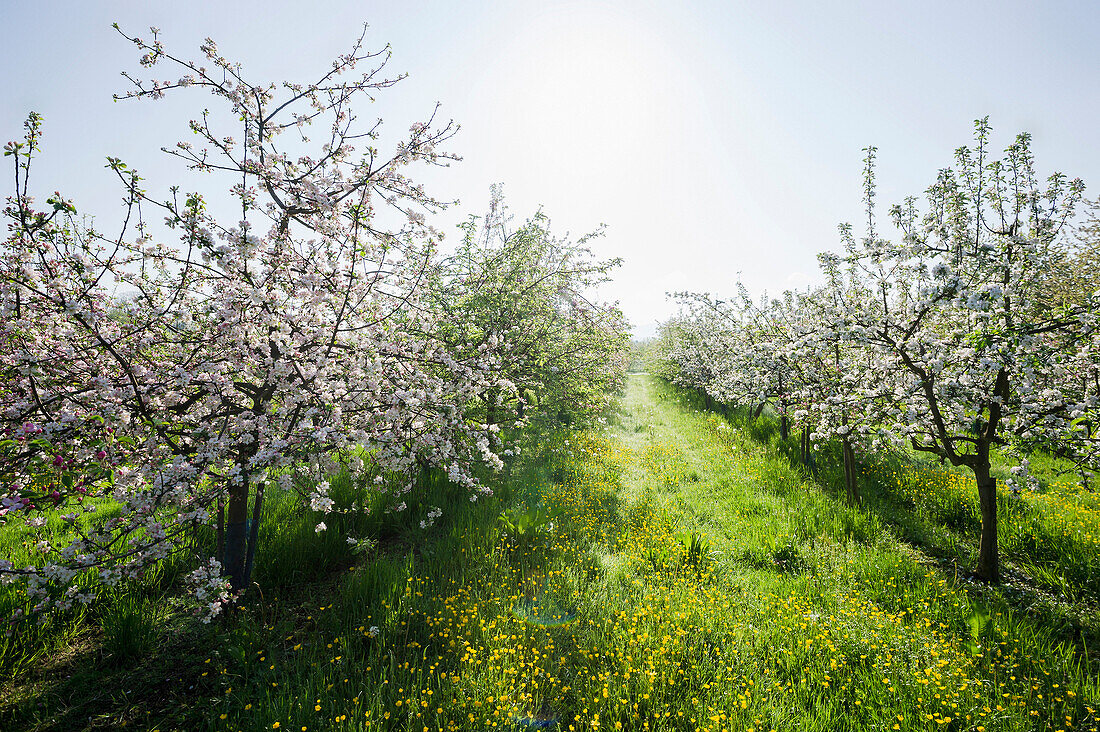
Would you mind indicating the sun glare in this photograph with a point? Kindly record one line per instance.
(592, 84)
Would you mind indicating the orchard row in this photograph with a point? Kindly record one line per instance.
(970, 330)
(155, 380)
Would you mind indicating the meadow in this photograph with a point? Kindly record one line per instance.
(675, 569)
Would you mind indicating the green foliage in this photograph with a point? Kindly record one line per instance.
(528, 527)
(131, 625)
(528, 288)
(979, 625)
(696, 551)
(528, 521)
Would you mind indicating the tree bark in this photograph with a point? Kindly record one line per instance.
(784, 428)
(219, 537)
(235, 536)
(851, 481)
(988, 559)
(254, 533)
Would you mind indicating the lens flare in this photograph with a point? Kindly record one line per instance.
(544, 612)
(532, 720)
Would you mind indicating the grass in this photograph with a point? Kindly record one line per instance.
(673, 571)
(130, 625)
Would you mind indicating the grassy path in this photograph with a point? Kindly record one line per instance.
(664, 572)
(689, 579)
(806, 614)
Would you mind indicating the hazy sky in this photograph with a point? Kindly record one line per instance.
(715, 139)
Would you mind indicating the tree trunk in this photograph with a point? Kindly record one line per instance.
(851, 481)
(233, 558)
(708, 403)
(759, 410)
(988, 560)
(807, 452)
(784, 428)
(490, 398)
(219, 536)
(254, 533)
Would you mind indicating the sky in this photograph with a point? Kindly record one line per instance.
(718, 141)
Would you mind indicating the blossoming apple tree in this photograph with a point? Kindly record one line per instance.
(743, 349)
(529, 295)
(179, 369)
(952, 315)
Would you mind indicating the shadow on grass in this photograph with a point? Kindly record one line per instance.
(313, 592)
